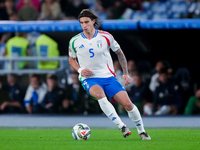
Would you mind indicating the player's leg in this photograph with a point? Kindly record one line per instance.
(97, 92)
(123, 99)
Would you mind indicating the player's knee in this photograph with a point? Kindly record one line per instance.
(100, 96)
(128, 106)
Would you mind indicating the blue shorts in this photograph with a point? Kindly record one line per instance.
(110, 85)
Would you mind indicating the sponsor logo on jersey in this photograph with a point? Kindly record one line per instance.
(82, 46)
(99, 43)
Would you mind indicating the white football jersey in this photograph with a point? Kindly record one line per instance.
(94, 54)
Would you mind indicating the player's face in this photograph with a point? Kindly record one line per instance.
(10, 80)
(75, 78)
(34, 82)
(159, 66)
(197, 94)
(51, 84)
(163, 77)
(87, 24)
(137, 81)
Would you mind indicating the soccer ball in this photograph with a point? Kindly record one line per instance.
(81, 131)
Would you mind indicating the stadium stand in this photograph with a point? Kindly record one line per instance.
(161, 15)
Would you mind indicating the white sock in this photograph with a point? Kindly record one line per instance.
(164, 110)
(110, 112)
(147, 110)
(135, 116)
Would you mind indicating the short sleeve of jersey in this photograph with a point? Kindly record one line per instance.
(72, 51)
(113, 44)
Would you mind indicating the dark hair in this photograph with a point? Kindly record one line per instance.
(89, 13)
(52, 76)
(137, 73)
(165, 63)
(36, 76)
(13, 76)
(21, 34)
(163, 70)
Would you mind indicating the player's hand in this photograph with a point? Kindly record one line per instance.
(86, 73)
(127, 79)
(3, 106)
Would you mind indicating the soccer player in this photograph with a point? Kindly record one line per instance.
(89, 54)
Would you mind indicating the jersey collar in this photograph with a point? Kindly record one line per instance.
(95, 34)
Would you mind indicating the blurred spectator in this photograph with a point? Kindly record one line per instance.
(63, 4)
(134, 4)
(140, 93)
(7, 10)
(167, 97)
(32, 37)
(193, 105)
(107, 3)
(155, 77)
(131, 70)
(15, 102)
(116, 11)
(17, 46)
(47, 47)
(76, 94)
(34, 3)
(4, 38)
(2, 49)
(50, 10)
(73, 8)
(35, 94)
(193, 10)
(1, 4)
(183, 78)
(27, 12)
(145, 69)
(100, 10)
(54, 96)
(13, 17)
(64, 77)
(131, 66)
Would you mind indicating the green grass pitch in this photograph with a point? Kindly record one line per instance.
(100, 139)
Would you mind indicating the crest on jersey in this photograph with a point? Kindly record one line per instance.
(99, 43)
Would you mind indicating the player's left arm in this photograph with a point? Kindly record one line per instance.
(123, 63)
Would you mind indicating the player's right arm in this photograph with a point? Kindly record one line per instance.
(84, 71)
(73, 62)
